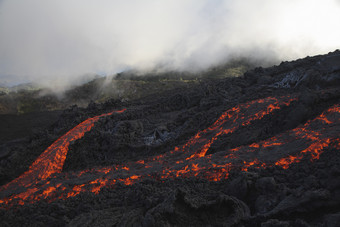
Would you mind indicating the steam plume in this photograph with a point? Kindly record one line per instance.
(59, 41)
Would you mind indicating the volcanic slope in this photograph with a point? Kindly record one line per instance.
(261, 149)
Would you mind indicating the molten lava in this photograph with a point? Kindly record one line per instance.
(188, 160)
(51, 161)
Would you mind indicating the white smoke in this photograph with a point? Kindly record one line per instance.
(57, 42)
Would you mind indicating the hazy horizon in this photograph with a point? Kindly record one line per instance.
(55, 43)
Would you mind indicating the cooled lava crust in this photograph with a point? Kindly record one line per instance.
(258, 150)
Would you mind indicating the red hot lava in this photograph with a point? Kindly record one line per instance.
(188, 160)
(51, 161)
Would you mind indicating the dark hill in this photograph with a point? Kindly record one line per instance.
(262, 149)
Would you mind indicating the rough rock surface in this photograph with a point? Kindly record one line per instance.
(305, 194)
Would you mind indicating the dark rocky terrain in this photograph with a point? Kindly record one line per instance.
(261, 149)
(128, 85)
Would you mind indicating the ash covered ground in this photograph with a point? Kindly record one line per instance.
(257, 150)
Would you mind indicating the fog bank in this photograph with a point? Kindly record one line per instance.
(56, 42)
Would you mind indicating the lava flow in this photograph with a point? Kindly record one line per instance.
(188, 160)
(51, 161)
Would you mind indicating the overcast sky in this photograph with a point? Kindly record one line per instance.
(57, 41)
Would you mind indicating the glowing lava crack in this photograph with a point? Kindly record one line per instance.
(188, 160)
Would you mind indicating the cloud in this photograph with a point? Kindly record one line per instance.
(56, 42)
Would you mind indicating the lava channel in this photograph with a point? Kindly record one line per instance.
(188, 160)
(51, 161)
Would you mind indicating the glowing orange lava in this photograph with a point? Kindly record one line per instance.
(188, 160)
(51, 161)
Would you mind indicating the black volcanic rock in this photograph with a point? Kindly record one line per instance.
(305, 194)
(193, 210)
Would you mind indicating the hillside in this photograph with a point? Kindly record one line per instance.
(261, 149)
